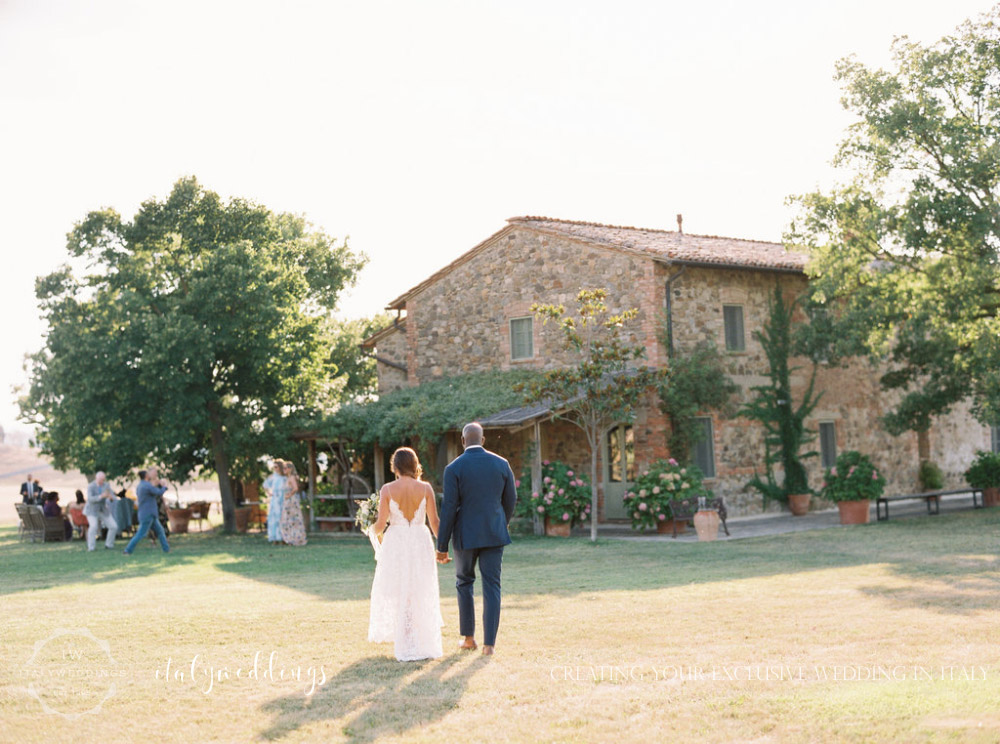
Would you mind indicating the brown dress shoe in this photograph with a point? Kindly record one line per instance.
(487, 650)
(467, 644)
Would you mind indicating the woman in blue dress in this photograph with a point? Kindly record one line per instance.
(274, 487)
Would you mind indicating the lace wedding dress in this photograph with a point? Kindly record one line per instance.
(406, 600)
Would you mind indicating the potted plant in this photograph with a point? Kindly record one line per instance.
(664, 482)
(785, 432)
(852, 483)
(984, 473)
(930, 476)
(331, 508)
(564, 500)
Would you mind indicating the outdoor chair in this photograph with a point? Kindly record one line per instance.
(25, 527)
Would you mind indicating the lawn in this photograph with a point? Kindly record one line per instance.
(883, 632)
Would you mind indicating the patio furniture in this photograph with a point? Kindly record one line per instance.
(199, 511)
(25, 527)
(931, 498)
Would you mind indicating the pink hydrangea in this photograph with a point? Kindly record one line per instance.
(546, 479)
(562, 491)
(586, 509)
(833, 471)
(534, 495)
(569, 473)
(545, 462)
(517, 483)
(642, 506)
(541, 510)
(851, 471)
(874, 475)
(656, 489)
(661, 517)
(565, 516)
(635, 514)
(672, 461)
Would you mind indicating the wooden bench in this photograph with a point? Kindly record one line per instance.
(932, 499)
(685, 509)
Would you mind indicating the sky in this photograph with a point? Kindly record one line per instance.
(415, 129)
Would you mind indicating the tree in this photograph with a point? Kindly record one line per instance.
(193, 339)
(905, 255)
(695, 381)
(356, 372)
(604, 385)
(785, 431)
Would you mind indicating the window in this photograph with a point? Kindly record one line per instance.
(995, 437)
(827, 444)
(704, 448)
(522, 343)
(621, 454)
(732, 318)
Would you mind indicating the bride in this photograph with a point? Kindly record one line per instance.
(405, 603)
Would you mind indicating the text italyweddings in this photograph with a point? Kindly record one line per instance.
(767, 673)
(206, 676)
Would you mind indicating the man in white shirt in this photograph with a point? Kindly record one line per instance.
(98, 510)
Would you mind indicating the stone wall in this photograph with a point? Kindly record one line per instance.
(393, 348)
(461, 323)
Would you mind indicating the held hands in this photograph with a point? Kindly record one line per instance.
(443, 557)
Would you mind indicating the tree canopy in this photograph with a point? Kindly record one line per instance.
(190, 336)
(905, 252)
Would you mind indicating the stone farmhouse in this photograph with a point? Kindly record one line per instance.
(474, 315)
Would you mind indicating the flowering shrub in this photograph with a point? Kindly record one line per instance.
(565, 494)
(853, 478)
(984, 472)
(666, 480)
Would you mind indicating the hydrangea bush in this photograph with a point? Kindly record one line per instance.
(565, 494)
(853, 478)
(666, 480)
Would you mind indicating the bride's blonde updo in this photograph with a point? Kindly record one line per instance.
(405, 462)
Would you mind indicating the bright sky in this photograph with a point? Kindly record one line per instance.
(417, 128)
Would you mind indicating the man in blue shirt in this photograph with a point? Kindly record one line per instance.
(146, 493)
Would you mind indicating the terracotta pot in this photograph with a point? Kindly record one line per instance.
(798, 503)
(556, 529)
(706, 524)
(991, 496)
(666, 527)
(242, 514)
(854, 512)
(179, 519)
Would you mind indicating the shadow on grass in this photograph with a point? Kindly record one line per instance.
(937, 554)
(378, 697)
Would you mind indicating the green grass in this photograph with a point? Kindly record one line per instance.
(908, 597)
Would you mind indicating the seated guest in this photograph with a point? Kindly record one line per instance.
(76, 515)
(51, 508)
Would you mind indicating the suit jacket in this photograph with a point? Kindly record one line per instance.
(97, 506)
(479, 498)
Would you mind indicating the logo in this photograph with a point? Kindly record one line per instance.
(72, 673)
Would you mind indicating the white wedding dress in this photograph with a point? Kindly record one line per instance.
(406, 599)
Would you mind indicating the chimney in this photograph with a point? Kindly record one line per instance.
(680, 223)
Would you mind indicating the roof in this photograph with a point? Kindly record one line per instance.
(671, 246)
(372, 340)
(516, 416)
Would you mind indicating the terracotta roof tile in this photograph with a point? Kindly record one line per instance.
(673, 245)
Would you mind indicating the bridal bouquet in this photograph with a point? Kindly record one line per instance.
(365, 517)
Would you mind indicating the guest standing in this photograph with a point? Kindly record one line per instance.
(275, 486)
(30, 490)
(148, 493)
(98, 510)
(293, 529)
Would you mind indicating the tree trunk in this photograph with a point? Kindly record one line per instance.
(593, 494)
(222, 470)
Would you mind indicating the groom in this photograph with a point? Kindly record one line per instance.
(479, 497)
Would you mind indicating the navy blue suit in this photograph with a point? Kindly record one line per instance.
(479, 498)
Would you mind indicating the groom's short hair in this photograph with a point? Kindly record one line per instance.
(472, 433)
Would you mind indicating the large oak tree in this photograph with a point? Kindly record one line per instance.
(191, 336)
